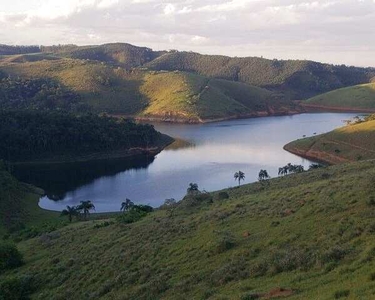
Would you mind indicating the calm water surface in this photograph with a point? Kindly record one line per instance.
(215, 153)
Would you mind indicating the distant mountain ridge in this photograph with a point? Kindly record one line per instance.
(109, 78)
(299, 79)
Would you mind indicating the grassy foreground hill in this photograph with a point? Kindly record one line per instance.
(350, 143)
(356, 98)
(302, 236)
(80, 85)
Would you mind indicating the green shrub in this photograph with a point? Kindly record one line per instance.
(234, 270)
(371, 201)
(136, 213)
(16, 288)
(251, 296)
(222, 196)
(10, 257)
(131, 216)
(342, 294)
(225, 242)
(334, 254)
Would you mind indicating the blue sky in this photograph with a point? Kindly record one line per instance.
(339, 32)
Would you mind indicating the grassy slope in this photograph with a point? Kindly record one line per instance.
(151, 94)
(19, 205)
(309, 232)
(298, 79)
(349, 143)
(180, 94)
(354, 97)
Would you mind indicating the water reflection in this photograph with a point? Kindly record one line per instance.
(214, 152)
(58, 179)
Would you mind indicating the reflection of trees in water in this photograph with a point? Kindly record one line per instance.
(180, 144)
(58, 179)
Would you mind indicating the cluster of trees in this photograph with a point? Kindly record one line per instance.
(41, 94)
(289, 169)
(301, 79)
(34, 134)
(75, 211)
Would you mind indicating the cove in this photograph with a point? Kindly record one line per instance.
(212, 154)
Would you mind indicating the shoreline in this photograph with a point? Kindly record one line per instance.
(323, 158)
(322, 108)
(176, 120)
(304, 108)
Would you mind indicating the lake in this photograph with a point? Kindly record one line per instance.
(214, 152)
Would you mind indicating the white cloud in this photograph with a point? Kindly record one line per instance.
(327, 30)
(169, 9)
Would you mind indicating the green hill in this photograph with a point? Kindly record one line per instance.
(123, 79)
(122, 54)
(298, 79)
(350, 143)
(78, 85)
(359, 97)
(303, 236)
(180, 96)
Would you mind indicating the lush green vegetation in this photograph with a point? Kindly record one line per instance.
(78, 85)
(360, 97)
(353, 142)
(126, 55)
(184, 86)
(33, 135)
(180, 95)
(307, 236)
(298, 79)
(41, 94)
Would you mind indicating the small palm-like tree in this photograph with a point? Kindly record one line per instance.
(238, 176)
(263, 175)
(126, 205)
(70, 211)
(86, 206)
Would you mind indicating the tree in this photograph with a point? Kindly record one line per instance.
(126, 205)
(263, 175)
(193, 188)
(70, 211)
(238, 176)
(86, 206)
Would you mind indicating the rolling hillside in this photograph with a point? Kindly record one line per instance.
(78, 85)
(124, 55)
(303, 236)
(349, 143)
(123, 79)
(359, 97)
(297, 79)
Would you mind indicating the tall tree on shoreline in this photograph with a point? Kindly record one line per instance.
(238, 176)
(86, 206)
